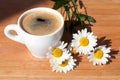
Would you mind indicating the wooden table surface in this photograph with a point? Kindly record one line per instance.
(16, 62)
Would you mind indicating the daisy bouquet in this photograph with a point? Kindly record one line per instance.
(61, 55)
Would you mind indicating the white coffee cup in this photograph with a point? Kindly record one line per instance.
(37, 45)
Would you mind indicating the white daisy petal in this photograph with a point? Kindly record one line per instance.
(84, 31)
(63, 45)
(107, 55)
(79, 32)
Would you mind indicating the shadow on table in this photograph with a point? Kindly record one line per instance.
(68, 33)
(78, 58)
(11, 7)
(104, 41)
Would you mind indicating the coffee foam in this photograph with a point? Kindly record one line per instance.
(40, 23)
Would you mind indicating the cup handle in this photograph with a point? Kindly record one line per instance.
(15, 37)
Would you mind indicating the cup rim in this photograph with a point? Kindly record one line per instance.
(41, 8)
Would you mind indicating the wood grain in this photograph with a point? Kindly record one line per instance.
(16, 62)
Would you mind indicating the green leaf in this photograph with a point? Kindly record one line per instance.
(78, 17)
(67, 11)
(59, 3)
(91, 19)
(82, 17)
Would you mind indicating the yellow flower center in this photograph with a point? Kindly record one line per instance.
(64, 63)
(73, 50)
(57, 52)
(98, 54)
(84, 41)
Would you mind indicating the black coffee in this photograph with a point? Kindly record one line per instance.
(40, 23)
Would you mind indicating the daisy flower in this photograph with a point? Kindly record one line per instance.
(66, 65)
(99, 55)
(84, 41)
(58, 52)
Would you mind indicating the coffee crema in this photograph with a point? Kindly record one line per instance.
(40, 23)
